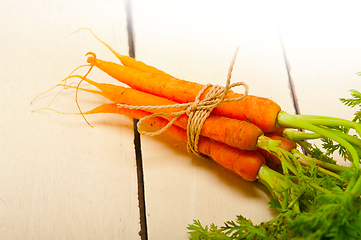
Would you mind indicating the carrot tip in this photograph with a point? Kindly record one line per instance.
(58, 85)
(91, 60)
(84, 65)
(51, 109)
(91, 53)
(84, 28)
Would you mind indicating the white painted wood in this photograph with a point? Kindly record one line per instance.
(195, 40)
(60, 178)
(323, 47)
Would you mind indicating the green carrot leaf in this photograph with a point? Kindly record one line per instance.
(198, 232)
(352, 102)
(331, 147)
(244, 229)
(274, 204)
(316, 153)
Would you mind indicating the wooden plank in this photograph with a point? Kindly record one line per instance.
(196, 41)
(60, 178)
(324, 54)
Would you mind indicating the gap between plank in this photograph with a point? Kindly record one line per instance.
(290, 81)
(137, 143)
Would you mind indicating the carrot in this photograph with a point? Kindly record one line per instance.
(243, 163)
(128, 61)
(260, 111)
(263, 112)
(278, 131)
(141, 66)
(236, 133)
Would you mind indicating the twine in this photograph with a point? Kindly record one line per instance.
(197, 111)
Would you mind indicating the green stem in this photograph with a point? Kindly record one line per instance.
(321, 189)
(304, 145)
(282, 156)
(296, 136)
(351, 184)
(330, 166)
(286, 120)
(356, 189)
(264, 142)
(306, 161)
(352, 139)
(331, 122)
(287, 180)
(332, 174)
(358, 149)
(276, 183)
(289, 163)
(295, 203)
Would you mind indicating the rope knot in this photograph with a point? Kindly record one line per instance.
(193, 107)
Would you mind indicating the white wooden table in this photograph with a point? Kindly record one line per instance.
(61, 179)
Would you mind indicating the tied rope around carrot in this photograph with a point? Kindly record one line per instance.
(197, 111)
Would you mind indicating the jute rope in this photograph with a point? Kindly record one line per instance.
(197, 111)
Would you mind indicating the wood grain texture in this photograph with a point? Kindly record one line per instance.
(60, 178)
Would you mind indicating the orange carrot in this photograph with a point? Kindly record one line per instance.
(132, 63)
(236, 133)
(286, 144)
(278, 132)
(129, 61)
(260, 111)
(243, 163)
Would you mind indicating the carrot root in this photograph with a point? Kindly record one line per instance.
(242, 162)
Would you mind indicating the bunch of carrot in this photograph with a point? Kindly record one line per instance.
(239, 135)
